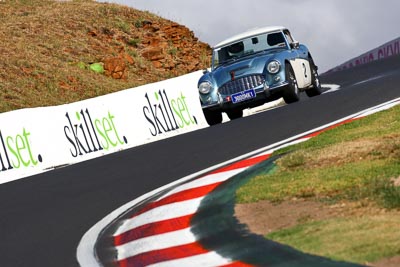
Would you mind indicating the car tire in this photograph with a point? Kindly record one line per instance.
(235, 114)
(212, 117)
(291, 93)
(316, 84)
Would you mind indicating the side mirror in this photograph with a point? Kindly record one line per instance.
(295, 45)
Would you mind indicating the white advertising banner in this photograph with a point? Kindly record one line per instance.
(389, 49)
(40, 139)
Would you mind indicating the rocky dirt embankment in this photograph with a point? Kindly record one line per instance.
(56, 52)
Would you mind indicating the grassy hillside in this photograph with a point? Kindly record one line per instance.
(353, 173)
(47, 49)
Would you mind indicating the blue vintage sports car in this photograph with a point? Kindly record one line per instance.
(253, 68)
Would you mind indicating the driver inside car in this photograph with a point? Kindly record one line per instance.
(236, 50)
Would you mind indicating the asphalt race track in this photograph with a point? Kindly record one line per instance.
(43, 218)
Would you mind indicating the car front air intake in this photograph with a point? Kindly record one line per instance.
(241, 84)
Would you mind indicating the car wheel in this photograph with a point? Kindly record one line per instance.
(212, 117)
(291, 93)
(316, 84)
(235, 114)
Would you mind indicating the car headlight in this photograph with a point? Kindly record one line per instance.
(205, 87)
(273, 67)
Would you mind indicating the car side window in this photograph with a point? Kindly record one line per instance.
(288, 36)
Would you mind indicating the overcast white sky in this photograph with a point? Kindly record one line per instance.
(334, 30)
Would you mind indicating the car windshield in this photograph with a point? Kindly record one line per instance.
(247, 47)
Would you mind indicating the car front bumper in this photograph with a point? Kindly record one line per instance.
(263, 95)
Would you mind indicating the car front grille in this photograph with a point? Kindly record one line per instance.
(241, 84)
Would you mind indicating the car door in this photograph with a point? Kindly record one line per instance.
(299, 62)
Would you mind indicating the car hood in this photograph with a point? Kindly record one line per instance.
(240, 68)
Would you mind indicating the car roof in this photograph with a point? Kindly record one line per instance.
(250, 33)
